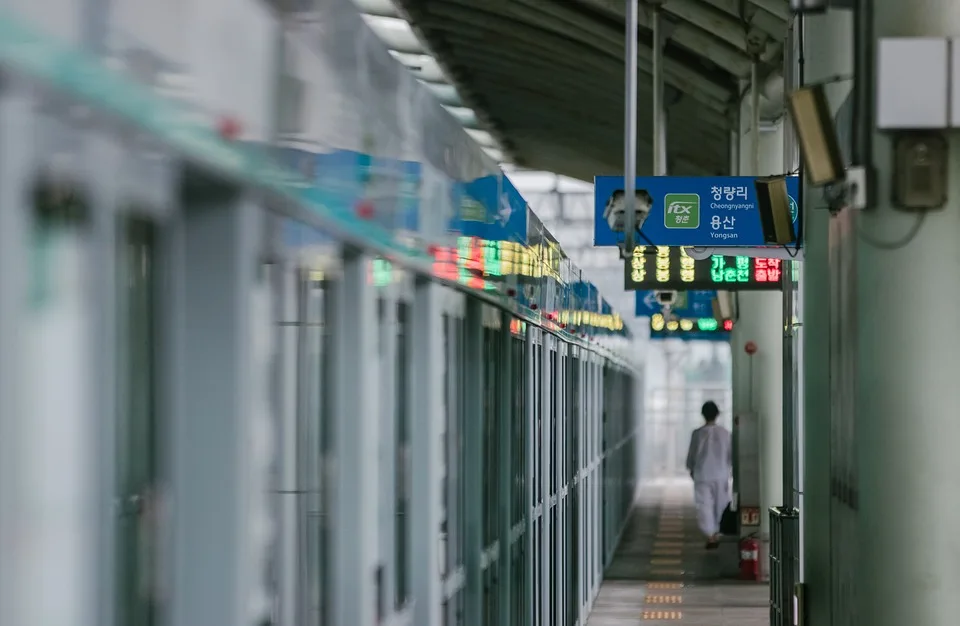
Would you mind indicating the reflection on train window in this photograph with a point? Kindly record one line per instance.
(317, 471)
(518, 433)
(402, 534)
(491, 468)
(139, 492)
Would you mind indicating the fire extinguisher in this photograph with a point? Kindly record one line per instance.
(750, 558)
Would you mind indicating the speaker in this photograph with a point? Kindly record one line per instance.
(774, 205)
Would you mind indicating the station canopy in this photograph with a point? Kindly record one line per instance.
(539, 83)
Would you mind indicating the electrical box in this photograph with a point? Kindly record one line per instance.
(908, 98)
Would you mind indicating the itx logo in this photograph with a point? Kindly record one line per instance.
(681, 210)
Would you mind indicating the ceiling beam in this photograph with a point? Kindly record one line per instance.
(769, 23)
(525, 52)
(514, 101)
(573, 91)
(411, 11)
(684, 34)
(468, 20)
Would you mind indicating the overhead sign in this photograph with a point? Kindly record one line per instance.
(689, 304)
(672, 268)
(684, 324)
(686, 327)
(689, 210)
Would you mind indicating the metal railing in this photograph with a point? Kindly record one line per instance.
(784, 564)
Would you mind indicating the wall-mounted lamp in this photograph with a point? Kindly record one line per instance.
(809, 6)
(773, 202)
(819, 146)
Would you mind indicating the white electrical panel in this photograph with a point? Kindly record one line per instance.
(913, 83)
(954, 81)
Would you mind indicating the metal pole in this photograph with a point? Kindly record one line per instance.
(630, 126)
(790, 449)
(735, 148)
(789, 426)
(659, 156)
(755, 118)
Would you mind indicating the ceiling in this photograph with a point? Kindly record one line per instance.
(545, 77)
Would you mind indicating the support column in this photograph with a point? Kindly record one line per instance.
(762, 391)
(761, 321)
(827, 52)
(905, 390)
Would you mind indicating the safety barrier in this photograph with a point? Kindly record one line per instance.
(784, 564)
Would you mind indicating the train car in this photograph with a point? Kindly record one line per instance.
(279, 344)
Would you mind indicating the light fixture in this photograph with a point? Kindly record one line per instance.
(809, 6)
(822, 157)
(773, 203)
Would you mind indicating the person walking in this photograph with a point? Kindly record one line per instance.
(710, 465)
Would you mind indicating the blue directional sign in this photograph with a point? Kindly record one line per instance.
(689, 211)
(689, 304)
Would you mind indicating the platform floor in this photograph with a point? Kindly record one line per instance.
(662, 574)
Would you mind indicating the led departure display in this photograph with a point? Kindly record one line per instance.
(660, 323)
(665, 267)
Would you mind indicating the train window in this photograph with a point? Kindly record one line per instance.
(137, 438)
(519, 428)
(537, 461)
(491, 440)
(458, 378)
(554, 431)
(320, 514)
(401, 532)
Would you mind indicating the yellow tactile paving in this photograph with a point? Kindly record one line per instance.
(667, 552)
(661, 615)
(665, 561)
(663, 585)
(671, 599)
(666, 571)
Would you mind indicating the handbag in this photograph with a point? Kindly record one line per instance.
(728, 522)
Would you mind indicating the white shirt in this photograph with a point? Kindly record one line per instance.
(709, 457)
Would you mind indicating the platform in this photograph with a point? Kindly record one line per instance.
(662, 574)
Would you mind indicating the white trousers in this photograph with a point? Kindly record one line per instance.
(711, 498)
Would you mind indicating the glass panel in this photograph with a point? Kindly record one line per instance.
(453, 443)
(314, 446)
(519, 430)
(137, 438)
(554, 433)
(402, 535)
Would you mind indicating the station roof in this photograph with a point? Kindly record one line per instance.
(539, 83)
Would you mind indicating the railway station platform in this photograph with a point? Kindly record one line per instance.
(284, 341)
(661, 573)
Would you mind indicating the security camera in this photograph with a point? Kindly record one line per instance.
(614, 212)
(666, 298)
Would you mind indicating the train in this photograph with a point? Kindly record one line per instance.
(279, 344)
